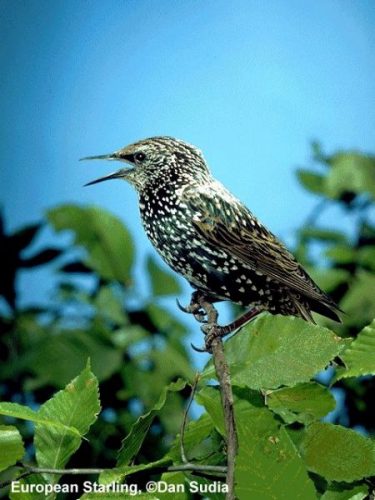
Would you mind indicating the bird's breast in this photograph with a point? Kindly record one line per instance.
(166, 219)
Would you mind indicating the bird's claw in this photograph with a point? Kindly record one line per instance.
(181, 307)
(193, 309)
(199, 349)
(210, 329)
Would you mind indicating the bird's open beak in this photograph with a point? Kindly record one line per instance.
(120, 174)
(110, 156)
(115, 175)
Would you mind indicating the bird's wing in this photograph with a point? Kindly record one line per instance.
(223, 221)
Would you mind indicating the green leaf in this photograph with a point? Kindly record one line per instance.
(267, 465)
(128, 335)
(162, 282)
(175, 481)
(326, 235)
(273, 351)
(27, 482)
(132, 443)
(328, 279)
(353, 172)
(171, 361)
(340, 493)
(110, 306)
(195, 434)
(164, 321)
(359, 357)
(75, 346)
(115, 496)
(245, 400)
(11, 446)
(16, 410)
(118, 474)
(359, 302)
(311, 181)
(109, 247)
(337, 453)
(366, 256)
(302, 403)
(341, 253)
(76, 406)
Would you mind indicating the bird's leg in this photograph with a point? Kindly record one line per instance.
(222, 331)
(203, 311)
(213, 331)
(211, 326)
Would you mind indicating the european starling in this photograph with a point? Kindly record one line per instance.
(208, 236)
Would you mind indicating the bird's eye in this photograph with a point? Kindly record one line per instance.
(139, 157)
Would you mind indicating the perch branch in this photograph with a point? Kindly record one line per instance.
(223, 375)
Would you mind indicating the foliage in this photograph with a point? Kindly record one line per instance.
(342, 261)
(258, 360)
(135, 345)
(122, 410)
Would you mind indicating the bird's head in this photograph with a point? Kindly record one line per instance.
(155, 159)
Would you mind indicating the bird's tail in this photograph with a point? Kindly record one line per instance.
(326, 307)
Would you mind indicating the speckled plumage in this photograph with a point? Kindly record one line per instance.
(208, 236)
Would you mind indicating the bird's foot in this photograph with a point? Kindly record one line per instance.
(202, 309)
(213, 331)
(194, 308)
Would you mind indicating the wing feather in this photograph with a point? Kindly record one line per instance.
(223, 221)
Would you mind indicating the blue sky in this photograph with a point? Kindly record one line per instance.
(249, 82)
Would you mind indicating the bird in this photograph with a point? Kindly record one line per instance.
(207, 235)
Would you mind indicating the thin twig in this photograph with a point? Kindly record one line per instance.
(218, 470)
(223, 375)
(184, 420)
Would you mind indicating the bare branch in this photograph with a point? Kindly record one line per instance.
(223, 375)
